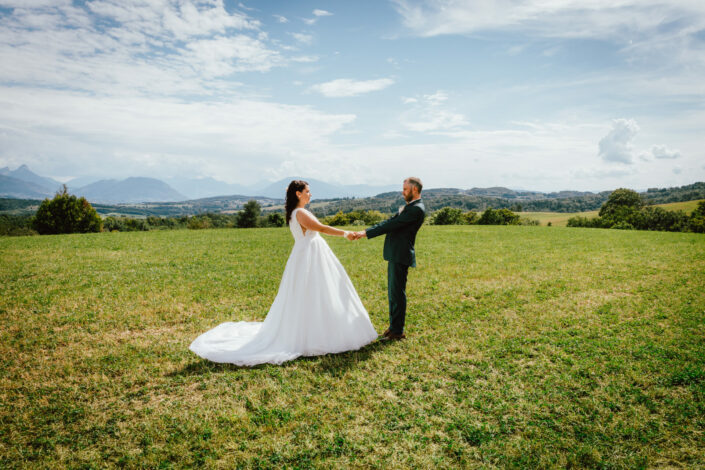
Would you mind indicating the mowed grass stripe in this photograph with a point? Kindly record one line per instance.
(528, 347)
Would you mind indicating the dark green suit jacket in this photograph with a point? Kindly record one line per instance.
(401, 233)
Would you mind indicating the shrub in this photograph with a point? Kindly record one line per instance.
(658, 218)
(66, 213)
(448, 216)
(369, 217)
(112, 224)
(198, 223)
(623, 226)
(275, 219)
(528, 221)
(16, 225)
(471, 217)
(338, 219)
(592, 222)
(498, 217)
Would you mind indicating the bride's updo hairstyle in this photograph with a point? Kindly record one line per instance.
(291, 199)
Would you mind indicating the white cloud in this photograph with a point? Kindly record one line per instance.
(305, 59)
(226, 55)
(319, 13)
(569, 18)
(663, 152)
(115, 47)
(309, 21)
(652, 35)
(437, 98)
(429, 115)
(72, 132)
(281, 19)
(303, 38)
(345, 87)
(617, 145)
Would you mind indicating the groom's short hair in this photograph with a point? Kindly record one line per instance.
(414, 181)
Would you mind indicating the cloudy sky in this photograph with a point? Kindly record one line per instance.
(533, 94)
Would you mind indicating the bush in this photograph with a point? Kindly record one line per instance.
(275, 219)
(592, 222)
(528, 221)
(498, 217)
(658, 218)
(448, 216)
(66, 213)
(198, 222)
(16, 225)
(359, 218)
(623, 226)
(471, 217)
(337, 219)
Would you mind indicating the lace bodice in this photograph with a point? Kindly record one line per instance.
(296, 229)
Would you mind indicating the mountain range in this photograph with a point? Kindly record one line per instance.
(142, 197)
(23, 183)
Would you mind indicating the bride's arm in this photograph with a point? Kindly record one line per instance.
(310, 222)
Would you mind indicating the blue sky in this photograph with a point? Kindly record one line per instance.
(535, 94)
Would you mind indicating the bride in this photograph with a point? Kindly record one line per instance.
(316, 311)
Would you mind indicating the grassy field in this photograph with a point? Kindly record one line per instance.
(687, 206)
(560, 219)
(529, 347)
(557, 219)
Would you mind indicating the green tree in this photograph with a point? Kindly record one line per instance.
(66, 213)
(697, 218)
(621, 205)
(247, 218)
(448, 216)
(498, 217)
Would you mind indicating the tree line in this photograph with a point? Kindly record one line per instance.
(455, 216)
(66, 213)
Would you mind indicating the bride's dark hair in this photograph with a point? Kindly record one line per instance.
(291, 199)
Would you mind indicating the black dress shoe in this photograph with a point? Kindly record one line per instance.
(394, 336)
(386, 333)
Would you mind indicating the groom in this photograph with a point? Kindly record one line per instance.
(399, 252)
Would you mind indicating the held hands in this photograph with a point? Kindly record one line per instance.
(352, 236)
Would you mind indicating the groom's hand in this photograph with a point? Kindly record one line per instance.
(360, 234)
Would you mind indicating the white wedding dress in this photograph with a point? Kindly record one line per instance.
(316, 311)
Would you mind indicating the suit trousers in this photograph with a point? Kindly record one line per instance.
(396, 292)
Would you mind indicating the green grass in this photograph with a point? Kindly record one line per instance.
(529, 347)
(687, 206)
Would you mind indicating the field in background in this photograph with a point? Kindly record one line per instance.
(557, 219)
(560, 219)
(529, 347)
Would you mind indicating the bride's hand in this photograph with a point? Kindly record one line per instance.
(349, 235)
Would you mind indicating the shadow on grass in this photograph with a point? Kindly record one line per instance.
(332, 364)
